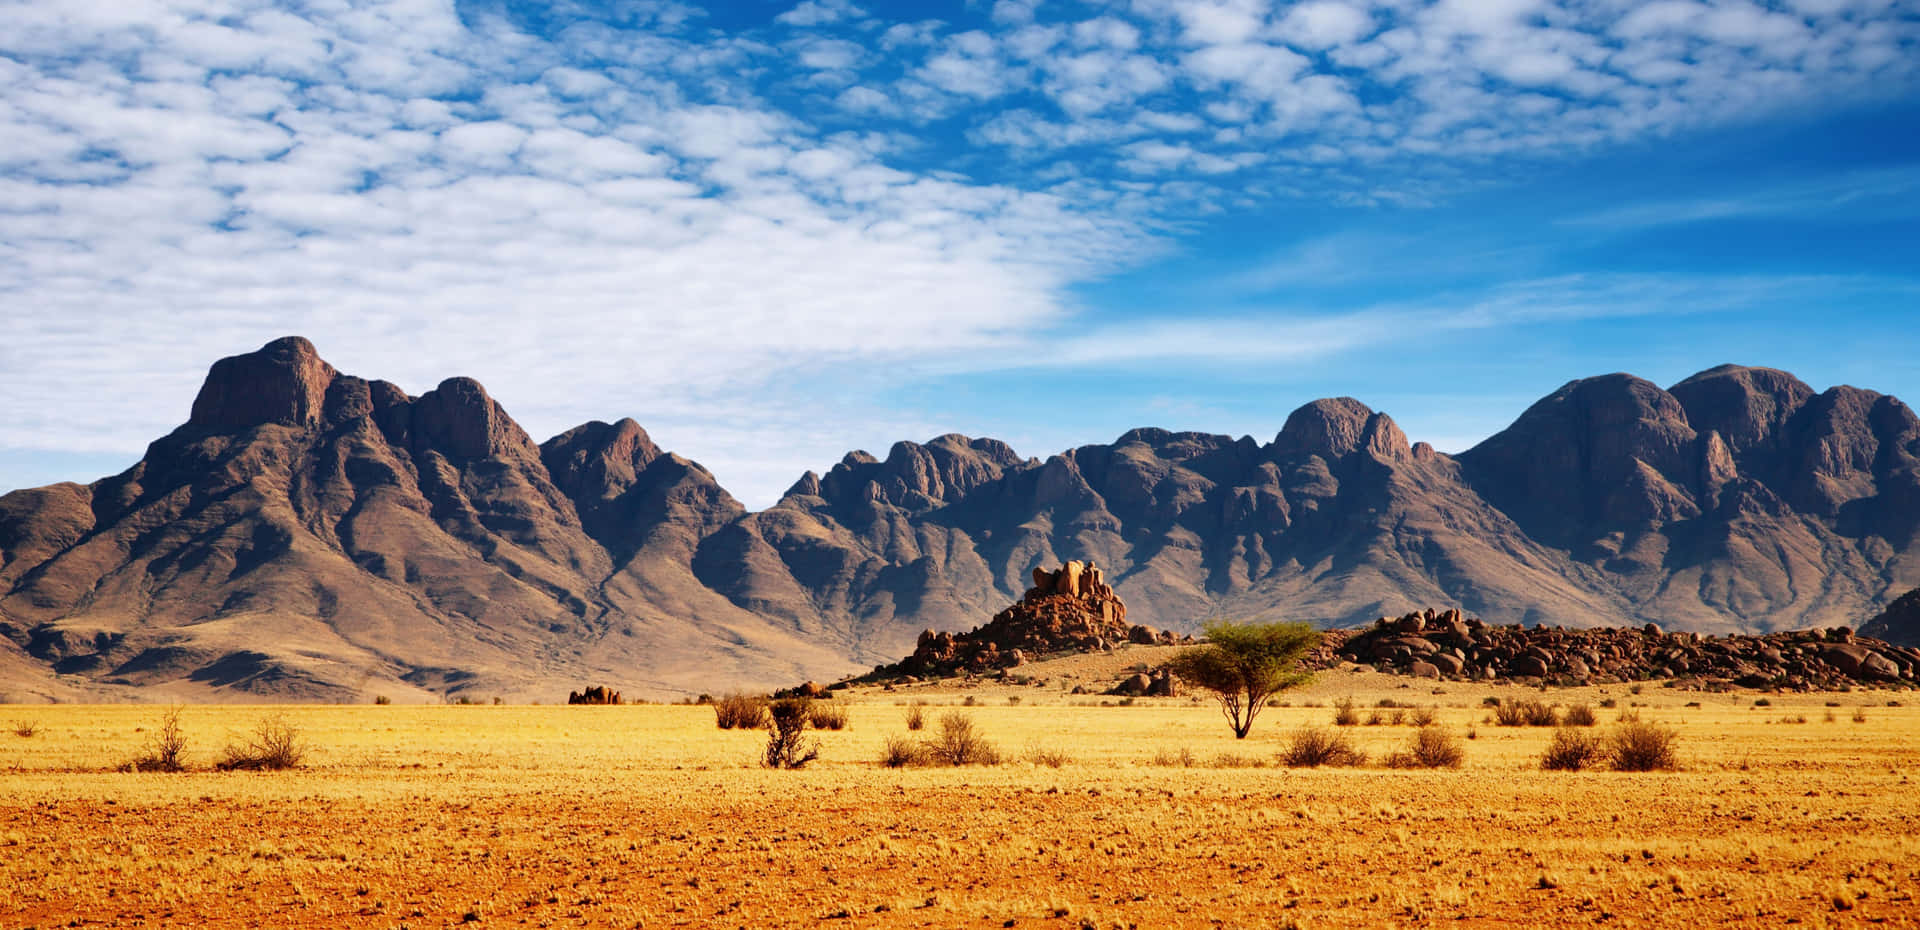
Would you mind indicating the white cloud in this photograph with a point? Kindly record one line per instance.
(678, 218)
(1323, 24)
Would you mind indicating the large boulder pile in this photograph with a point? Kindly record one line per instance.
(1446, 644)
(594, 695)
(1069, 609)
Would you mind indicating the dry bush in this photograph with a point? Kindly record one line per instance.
(1634, 746)
(1430, 748)
(275, 745)
(1233, 760)
(382, 700)
(1343, 713)
(958, 743)
(740, 712)
(1310, 747)
(826, 715)
(1860, 715)
(787, 747)
(163, 747)
(1525, 714)
(1571, 750)
(1540, 715)
(1374, 719)
(1169, 759)
(1424, 717)
(917, 715)
(1579, 715)
(26, 727)
(900, 752)
(1051, 758)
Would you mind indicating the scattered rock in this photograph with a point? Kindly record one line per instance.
(1446, 645)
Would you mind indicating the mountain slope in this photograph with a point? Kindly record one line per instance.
(312, 535)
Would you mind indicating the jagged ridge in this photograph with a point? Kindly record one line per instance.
(312, 534)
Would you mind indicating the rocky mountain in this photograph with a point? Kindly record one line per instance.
(313, 535)
(309, 535)
(1899, 623)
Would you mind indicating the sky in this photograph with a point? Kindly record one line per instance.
(772, 233)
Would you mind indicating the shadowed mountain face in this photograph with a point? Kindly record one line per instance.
(311, 535)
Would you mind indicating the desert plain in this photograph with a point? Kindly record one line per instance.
(1788, 809)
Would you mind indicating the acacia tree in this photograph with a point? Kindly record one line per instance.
(1243, 664)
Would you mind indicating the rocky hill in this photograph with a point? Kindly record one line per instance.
(1070, 609)
(1899, 623)
(309, 534)
(1447, 644)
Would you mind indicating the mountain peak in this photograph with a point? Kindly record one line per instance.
(284, 382)
(1744, 405)
(1336, 427)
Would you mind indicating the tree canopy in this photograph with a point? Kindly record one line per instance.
(1244, 664)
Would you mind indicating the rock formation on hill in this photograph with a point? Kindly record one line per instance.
(1070, 609)
(1447, 644)
(307, 534)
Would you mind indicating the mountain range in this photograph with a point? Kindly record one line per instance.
(311, 535)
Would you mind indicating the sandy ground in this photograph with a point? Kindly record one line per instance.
(649, 816)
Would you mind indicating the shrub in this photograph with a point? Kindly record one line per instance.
(1374, 719)
(274, 746)
(1169, 759)
(382, 699)
(1860, 715)
(1634, 746)
(1425, 717)
(917, 715)
(1579, 715)
(960, 744)
(26, 727)
(1762, 702)
(1570, 750)
(826, 715)
(1051, 758)
(1525, 714)
(786, 725)
(163, 747)
(1609, 703)
(740, 712)
(1430, 748)
(1343, 713)
(1311, 747)
(900, 752)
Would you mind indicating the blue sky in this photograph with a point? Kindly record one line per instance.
(773, 232)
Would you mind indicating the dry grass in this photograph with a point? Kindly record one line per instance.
(273, 746)
(1571, 750)
(740, 712)
(1311, 747)
(1431, 747)
(523, 816)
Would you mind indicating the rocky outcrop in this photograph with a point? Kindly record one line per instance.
(1449, 645)
(597, 694)
(1069, 609)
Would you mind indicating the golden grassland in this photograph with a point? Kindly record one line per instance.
(648, 816)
